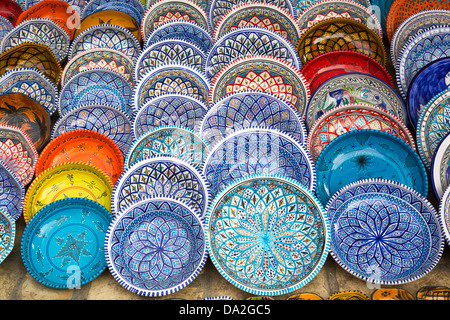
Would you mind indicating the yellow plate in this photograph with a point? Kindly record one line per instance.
(68, 180)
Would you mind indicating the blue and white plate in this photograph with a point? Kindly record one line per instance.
(62, 245)
(5, 27)
(134, 8)
(440, 167)
(156, 246)
(258, 150)
(7, 234)
(367, 154)
(267, 234)
(13, 192)
(444, 214)
(249, 109)
(161, 175)
(384, 232)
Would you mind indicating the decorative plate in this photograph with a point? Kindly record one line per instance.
(247, 41)
(18, 153)
(169, 51)
(351, 117)
(249, 109)
(171, 78)
(99, 58)
(7, 234)
(169, 110)
(381, 9)
(444, 211)
(340, 34)
(350, 88)
(10, 10)
(426, 47)
(43, 31)
(433, 126)
(13, 192)
(267, 235)
(334, 63)
(391, 294)
(258, 150)
(68, 180)
(96, 87)
(17, 110)
(349, 296)
(202, 3)
(440, 167)
(431, 80)
(169, 140)
(403, 9)
(433, 293)
(161, 176)
(168, 253)
(31, 55)
(109, 121)
(5, 26)
(172, 10)
(258, 14)
(62, 246)
(365, 154)
(183, 30)
(323, 10)
(304, 296)
(403, 240)
(84, 146)
(262, 73)
(32, 83)
(106, 36)
(415, 25)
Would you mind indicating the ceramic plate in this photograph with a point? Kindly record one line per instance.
(248, 109)
(267, 235)
(258, 150)
(161, 176)
(385, 232)
(169, 110)
(365, 154)
(10, 10)
(96, 87)
(84, 146)
(133, 7)
(7, 234)
(350, 88)
(62, 246)
(248, 41)
(5, 27)
(169, 140)
(13, 192)
(156, 246)
(262, 73)
(352, 117)
(444, 210)
(106, 120)
(440, 167)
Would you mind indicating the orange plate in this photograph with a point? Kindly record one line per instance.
(85, 146)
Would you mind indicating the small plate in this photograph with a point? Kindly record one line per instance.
(365, 154)
(247, 41)
(84, 146)
(68, 180)
(13, 192)
(248, 109)
(169, 140)
(440, 167)
(402, 240)
(109, 121)
(161, 176)
(258, 150)
(7, 234)
(262, 73)
(169, 110)
(267, 235)
(156, 246)
(62, 246)
(352, 117)
(350, 88)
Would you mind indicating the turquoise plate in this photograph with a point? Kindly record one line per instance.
(62, 245)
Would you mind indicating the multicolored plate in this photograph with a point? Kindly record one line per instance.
(62, 246)
(13, 192)
(267, 235)
(7, 234)
(440, 167)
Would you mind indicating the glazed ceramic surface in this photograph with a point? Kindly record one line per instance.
(258, 150)
(444, 214)
(156, 246)
(5, 27)
(350, 88)
(365, 154)
(440, 167)
(169, 110)
(262, 73)
(404, 241)
(10, 10)
(62, 246)
(134, 8)
(267, 235)
(163, 176)
(249, 109)
(7, 234)
(349, 295)
(391, 294)
(433, 293)
(381, 9)
(12, 197)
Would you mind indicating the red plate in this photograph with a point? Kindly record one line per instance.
(10, 10)
(85, 146)
(331, 64)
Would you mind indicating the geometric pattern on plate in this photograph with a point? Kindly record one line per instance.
(7, 234)
(12, 192)
(440, 167)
